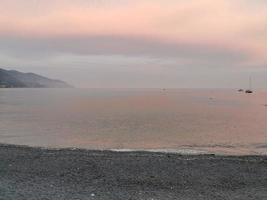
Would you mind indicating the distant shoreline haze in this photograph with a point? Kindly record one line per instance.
(16, 79)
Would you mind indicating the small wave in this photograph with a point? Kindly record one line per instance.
(177, 151)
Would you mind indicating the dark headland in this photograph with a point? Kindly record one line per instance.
(16, 79)
(35, 173)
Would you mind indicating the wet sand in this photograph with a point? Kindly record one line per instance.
(35, 173)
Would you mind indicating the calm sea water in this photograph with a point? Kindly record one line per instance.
(185, 121)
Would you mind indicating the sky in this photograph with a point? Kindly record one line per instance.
(137, 43)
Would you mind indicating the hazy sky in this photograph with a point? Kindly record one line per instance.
(137, 43)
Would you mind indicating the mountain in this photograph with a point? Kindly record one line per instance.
(16, 79)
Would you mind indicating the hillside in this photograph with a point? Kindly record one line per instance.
(16, 79)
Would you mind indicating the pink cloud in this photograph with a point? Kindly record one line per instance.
(221, 23)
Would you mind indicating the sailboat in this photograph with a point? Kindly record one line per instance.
(249, 91)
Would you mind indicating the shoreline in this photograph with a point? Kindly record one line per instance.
(183, 151)
(45, 173)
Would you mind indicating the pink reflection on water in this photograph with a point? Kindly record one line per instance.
(222, 121)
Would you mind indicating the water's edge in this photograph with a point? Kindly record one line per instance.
(134, 151)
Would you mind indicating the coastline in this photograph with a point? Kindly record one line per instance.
(40, 173)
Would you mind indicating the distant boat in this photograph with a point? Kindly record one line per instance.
(249, 91)
(240, 90)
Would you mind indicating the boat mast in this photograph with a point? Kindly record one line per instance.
(250, 83)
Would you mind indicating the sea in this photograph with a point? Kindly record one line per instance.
(187, 121)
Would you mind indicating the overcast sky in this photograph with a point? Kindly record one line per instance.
(137, 43)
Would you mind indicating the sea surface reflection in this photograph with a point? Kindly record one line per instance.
(177, 120)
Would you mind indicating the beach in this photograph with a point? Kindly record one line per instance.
(39, 173)
(133, 100)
